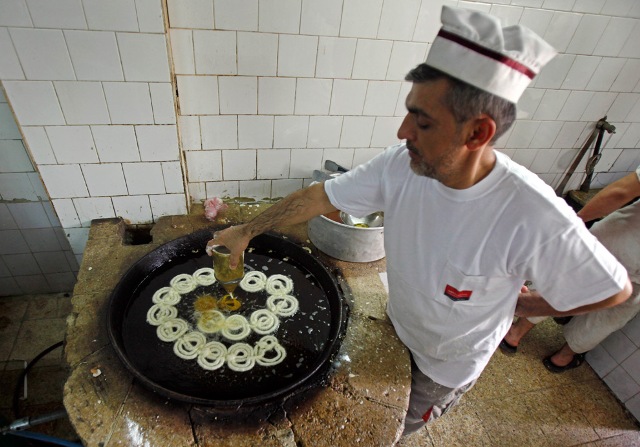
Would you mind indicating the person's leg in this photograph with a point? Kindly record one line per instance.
(429, 400)
(517, 331)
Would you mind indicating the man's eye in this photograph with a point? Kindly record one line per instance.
(422, 126)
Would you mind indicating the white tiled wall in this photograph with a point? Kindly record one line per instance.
(267, 90)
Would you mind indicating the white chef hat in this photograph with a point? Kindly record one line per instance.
(473, 47)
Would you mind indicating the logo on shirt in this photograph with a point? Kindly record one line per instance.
(457, 295)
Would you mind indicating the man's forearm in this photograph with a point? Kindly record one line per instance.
(532, 304)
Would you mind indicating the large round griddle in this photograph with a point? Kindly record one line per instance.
(311, 337)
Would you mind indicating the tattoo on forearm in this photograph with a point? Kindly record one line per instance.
(280, 214)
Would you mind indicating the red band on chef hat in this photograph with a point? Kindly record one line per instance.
(473, 47)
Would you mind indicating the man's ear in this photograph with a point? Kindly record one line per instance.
(483, 128)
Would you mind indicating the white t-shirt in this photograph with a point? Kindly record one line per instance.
(456, 259)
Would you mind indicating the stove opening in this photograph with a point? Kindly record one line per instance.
(137, 235)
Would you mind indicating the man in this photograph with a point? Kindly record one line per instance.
(464, 225)
(619, 232)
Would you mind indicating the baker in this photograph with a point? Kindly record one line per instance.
(464, 225)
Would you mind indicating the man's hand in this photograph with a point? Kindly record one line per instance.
(234, 238)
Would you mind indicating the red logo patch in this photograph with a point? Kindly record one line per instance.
(457, 295)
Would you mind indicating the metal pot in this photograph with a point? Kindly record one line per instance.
(347, 242)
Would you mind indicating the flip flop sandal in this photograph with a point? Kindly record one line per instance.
(577, 360)
(507, 348)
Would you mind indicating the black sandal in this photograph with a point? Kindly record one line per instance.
(507, 347)
(577, 360)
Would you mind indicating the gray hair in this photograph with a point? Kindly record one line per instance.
(466, 101)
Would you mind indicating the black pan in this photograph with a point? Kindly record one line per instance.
(311, 337)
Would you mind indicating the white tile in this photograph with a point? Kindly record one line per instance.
(13, 157)
(522, 134)
(633, 406)
(279, 16)
(43, 54)
(255, 132)
(574, 106)
(276, 96)
(537, 20)
(114, 15)
(257, 54)
(241, 15)
(555, 72)
(615, 36)
(94, 55)
(508, 15)
(197, 192)
(398, 19)
(115, 143)
(588, 6)
(609, 158)
(215, 52)
(273, 163)
(546, 134)
(204, 166)
(10, 67)
(172, 174)
(64, 181)
(381, 98)
(105, 179)
(587, 34)
(631, 48)
(356, 131)
(473, 6)
(335, 57)
(529, 102)
(525, 157)
(158, 143)
(622, 105)
(144, 178)
(313, 96)
(133, 208)
(544, 161)
(428, 22)
(168, 205)
(619, 7)
(634, 114)
(304, 161)
(372, 59)
(290, 131)
(342, 156)
(385, 131)
(632, 330)
(150, 17)
(598, 106)
(581, 72)
(562, 5)
(347, 97)
(223, 189)
(128, 102)
(198, 95)
(360, 18)
(297, 55)
(551, 104)
(189, 132)
(8, 127)
(93, 208)
(605, 74)
(66, 212)
(162, 103)
(238, 95)
(181, 41)
(65, 14)
(321, 18)
(239, 164)
(628, 77)
(38, 142)
(16, 186)
(219, 132)
(144, 57)
(14, 13)
(72, 144)
(630, 138)
(284, 187)
(190, 14)
(568, 137)
(82, 102)
(324, 131)
(255, 189)
(621, 383)
(77, 240)
(405, 56)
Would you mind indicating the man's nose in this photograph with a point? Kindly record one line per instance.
(404, 131)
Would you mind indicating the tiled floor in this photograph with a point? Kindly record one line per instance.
(516, 402)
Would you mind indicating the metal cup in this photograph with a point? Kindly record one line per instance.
(229, 278)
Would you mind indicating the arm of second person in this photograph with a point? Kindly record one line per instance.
(297, 207)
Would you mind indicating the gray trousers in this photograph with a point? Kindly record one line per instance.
(429, 400)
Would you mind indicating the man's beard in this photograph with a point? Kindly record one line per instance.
(439, 170)
(420, 167)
